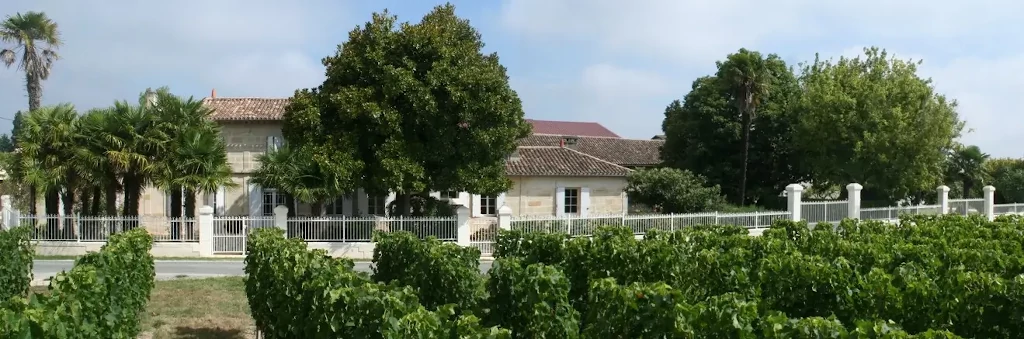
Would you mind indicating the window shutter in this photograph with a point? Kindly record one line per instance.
(475, 206)
(219, 206)
(255, 200)
(500, 201)
(346, 204)
(560, 201)
(584, 201)
(363, 202)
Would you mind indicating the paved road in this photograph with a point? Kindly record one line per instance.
(172, 269)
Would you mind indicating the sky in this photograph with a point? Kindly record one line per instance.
(618, 63)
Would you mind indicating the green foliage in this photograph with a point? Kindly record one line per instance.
(532, 301)
(671, 190)
(16, 267)
(531, 247)
(965, 166)
(704, 132)
(298, 293)
(874, 121)
(1007, 175)
(441, 273)
(420, 106)
(103, 296)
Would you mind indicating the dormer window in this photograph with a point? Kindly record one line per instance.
(569, 141)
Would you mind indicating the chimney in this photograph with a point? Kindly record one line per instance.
(213, 93)
(561, 143)
(569, 141)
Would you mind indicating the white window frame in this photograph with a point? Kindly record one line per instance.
(336, 207)
(571, 201)
(488, 205)
(276, 199)
(273, 143)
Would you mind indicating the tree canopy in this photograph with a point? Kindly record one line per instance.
(704, 133)
(670, 190)
(419, 107)
(872, 120)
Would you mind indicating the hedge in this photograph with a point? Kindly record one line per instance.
(16, 266)
(294, 292)
(103, 296)
(532, 301)
(440, 273)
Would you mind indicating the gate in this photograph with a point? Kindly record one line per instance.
(482, 234)
(231, 233)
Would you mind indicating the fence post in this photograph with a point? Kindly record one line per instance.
(943, 199)
(853, 201)
(990, 202)
(794, 201)
(462, 222)
(281, 218)
(205, 231)
(505, 218)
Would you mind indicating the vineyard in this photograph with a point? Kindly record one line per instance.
(927, 277)
(102, 297)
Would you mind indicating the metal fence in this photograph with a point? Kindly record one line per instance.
(360, 229)
(894, 212)
(824, 211)
(582, 226)
(1000, 209)
(99, 228)
(966, 206)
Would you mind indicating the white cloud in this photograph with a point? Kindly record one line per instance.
(963, 45)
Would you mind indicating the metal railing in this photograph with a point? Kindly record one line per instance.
(99, 228)
(894, 212)
(640, 224)
(360, 229)
(824, 211)
(966, 206)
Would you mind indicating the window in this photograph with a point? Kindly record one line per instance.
(336, 207)
(572, 201)
(273, 143)
(272, 198)
(450, 195)
(488, 205)
(376, 206)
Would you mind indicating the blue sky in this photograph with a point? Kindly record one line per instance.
(614, 62)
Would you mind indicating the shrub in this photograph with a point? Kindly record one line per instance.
(670, 190)
(531, 247)
(16, 266)
(297, 293)
(441, 273)
(532, 301)
(102, 297)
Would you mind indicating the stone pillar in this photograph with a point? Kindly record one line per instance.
(462, 222)
(990, 202)
(281, 218)
(206, 231)
(794, 201)
(505, 218)
(853, 202)
(943, 192)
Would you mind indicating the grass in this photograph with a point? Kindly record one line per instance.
(196, 309)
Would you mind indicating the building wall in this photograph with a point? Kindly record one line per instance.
(537, 195)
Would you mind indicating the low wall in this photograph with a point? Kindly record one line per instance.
(351, 250)
(160, 249)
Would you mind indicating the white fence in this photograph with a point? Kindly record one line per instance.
(91, 228)
(641, 223)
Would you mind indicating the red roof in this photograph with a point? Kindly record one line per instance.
(583, 129)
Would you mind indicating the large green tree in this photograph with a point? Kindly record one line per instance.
(420, 107)
(706, 133)
(1007, 175)
(34, 39)
(874, 121)
(747, 77)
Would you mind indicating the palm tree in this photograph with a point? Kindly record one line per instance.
(748, 78)
(966, 165)
(36, 38)
(196, 161)
(49, 141)
(93, 156)
(138, 141)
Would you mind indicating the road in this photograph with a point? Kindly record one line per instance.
(173, 269)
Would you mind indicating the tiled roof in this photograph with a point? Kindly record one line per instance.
(623, 152)
(589, 129)
(246, 109)
(560, 161)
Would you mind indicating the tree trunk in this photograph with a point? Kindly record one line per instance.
(175, 197)
(34, 88)
(403, 206)
(132, 192)
(33, 196)
(110, 197)
(96, 207)
(69, 211)
(86, 199)
(292, 206)
(52, 209)
(190, 215)
(746, 153)
(968, 186)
